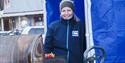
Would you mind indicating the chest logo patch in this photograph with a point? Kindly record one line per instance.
(75, 33)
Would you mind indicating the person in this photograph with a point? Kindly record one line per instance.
(66, 37)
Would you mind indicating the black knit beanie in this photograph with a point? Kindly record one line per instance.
(67, 3)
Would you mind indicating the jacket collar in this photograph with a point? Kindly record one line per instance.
(71, 21)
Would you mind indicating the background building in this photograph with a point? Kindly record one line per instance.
(16, 14)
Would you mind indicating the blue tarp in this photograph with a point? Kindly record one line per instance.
(108, 22)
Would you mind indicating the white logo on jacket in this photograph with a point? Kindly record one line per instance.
(75, 33)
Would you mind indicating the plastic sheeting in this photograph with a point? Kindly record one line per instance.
(108, 22)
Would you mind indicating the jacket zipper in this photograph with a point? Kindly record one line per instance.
(67, 41)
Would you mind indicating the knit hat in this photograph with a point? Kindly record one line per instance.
(66, 3)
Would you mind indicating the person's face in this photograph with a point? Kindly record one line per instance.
(66, 13)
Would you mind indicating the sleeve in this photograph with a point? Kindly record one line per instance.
(48, 44)
(83, 37)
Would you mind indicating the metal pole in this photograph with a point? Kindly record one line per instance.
(88, 22)
(45, 17)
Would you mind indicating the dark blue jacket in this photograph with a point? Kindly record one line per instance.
(66, 38)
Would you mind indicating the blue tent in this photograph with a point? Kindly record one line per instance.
(108, 24)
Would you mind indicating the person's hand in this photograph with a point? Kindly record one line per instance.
(49, 55)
